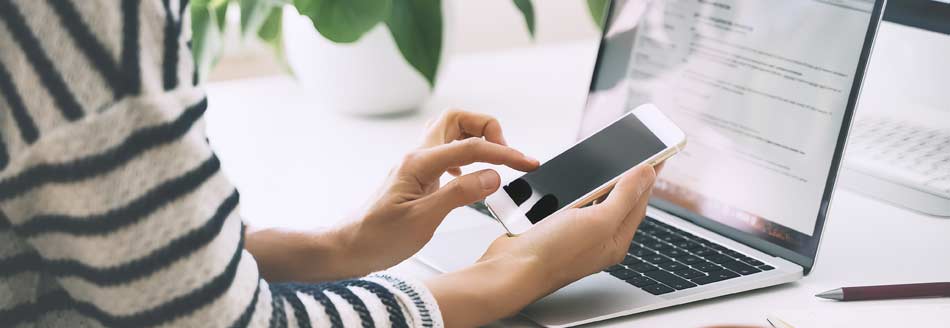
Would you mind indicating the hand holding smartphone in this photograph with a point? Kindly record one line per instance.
(587, 170)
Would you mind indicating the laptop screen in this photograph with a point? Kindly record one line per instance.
(764, 91)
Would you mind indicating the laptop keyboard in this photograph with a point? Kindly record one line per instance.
(663, 259)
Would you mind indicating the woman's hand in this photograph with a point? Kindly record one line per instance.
(412, 204)
(579, 242)
(405, 213)
(563, 248)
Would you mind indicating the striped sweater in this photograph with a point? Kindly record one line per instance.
(113, 208)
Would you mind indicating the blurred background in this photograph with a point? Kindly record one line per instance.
(360, 105)
(471, 27)
(360, 94)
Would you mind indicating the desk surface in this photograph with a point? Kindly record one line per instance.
(303, 167)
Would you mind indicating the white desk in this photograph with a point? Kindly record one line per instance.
(299, 166)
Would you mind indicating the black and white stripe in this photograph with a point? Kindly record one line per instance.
(176, 249)
(417, 299)
(167, 248)
(24, 122)
(41, 63)
(87, 167)
(173, 28)
(91, 47)
(162, 195)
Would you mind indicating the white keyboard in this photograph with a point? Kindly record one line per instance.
(901, 162)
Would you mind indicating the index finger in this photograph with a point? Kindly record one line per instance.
(430, 163)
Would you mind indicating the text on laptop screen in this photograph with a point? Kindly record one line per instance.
(759, 86)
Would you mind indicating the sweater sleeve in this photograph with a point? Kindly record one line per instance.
(114, 210)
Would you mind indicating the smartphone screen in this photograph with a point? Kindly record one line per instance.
(584, 167)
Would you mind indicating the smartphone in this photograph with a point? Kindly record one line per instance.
(588, 170)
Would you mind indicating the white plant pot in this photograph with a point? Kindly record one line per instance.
(369, 77)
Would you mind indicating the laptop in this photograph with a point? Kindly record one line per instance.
(765, 91)
(899, 149)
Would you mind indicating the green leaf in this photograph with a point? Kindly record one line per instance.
(416, 26)
(271, 32)
(207, 25)
(255, 12)
(270, 29)
(220, 8)
(527, 10)
(344, 21)
(598, 11)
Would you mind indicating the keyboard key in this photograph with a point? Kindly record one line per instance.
(740, 268)
(718, 258)
(706, 267)
(704, 251)
(643, 267)
(656, 259)
(642, 252)
(660, 234)
(640, 281)
(673, 238)
(613, 268)
(662, 225)
(717, 247)
(691, 236)
(657, 289)
(624, 274)
(670, 279)
(674, 252)
(693, 246)
(675, 230)
(630, 260)
(642, 237)
(689, 259)
(657, 245)
(673, 266)
(702, 240)
(689, 273)
(752, 261)
(689, 245)
(765, 267)
(733, 253)
(715, 276)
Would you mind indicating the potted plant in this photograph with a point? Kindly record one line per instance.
(360, 56)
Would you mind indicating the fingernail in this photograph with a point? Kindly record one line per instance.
(487, 180)
(531, 159)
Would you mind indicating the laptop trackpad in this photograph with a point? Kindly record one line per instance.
(595, 296)
(452, 248)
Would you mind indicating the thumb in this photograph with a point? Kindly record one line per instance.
(625, 195)
(462, 191)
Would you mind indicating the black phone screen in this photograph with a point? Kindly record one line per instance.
(584, 167)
